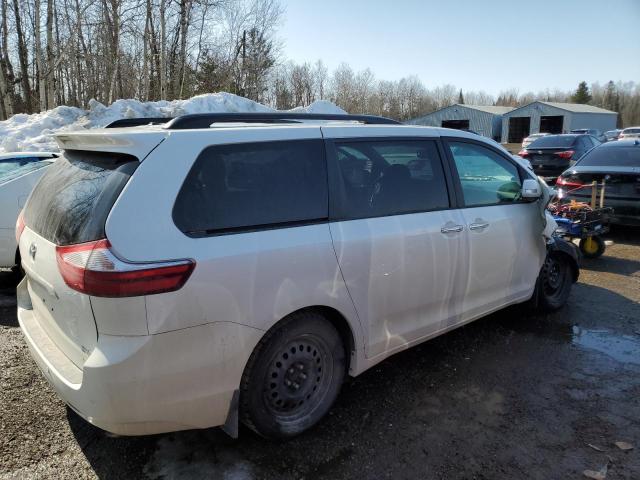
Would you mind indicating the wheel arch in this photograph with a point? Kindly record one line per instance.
(348, 334)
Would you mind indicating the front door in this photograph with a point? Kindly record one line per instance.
(399, 244)
(506, 247)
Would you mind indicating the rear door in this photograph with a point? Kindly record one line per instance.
(506, 248)
(68, 206)
(400, 244)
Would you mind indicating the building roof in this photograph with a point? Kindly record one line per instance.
(488, 108)
(578, 107)
(483, 108)
(570, 107)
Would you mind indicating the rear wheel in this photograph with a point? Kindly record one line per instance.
(592, 247)
(293, 376)
(554, 283)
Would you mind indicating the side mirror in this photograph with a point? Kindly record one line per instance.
(531, 189)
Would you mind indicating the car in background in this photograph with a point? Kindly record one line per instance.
(552, 154)
(631, 132)
(19, 172)
(534, 136)
(613, 135)
(618, 165)
(590, 131)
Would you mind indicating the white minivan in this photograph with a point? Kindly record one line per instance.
(236, 267)
(19, 172)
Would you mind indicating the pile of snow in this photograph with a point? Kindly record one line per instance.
(34, 132)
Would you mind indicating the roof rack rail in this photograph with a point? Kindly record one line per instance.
(205, 120)
(136, 122)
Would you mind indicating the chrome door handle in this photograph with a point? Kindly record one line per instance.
(478, 226)
(454, 229)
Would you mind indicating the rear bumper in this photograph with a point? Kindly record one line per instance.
(139, 385)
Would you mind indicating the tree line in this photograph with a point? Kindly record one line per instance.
(67, 52)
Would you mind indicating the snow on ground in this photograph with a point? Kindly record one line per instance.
(34, 132)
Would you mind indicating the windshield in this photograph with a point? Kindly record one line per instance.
(9, 164)
(7, 174)
(612, 157)
(553, 141)
(631, 130)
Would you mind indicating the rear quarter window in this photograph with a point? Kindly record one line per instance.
(240, 187)
(72, 200)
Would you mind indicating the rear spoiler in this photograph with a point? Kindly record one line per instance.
(138, 144)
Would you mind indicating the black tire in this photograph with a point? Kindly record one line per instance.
(594, 250)
(554, 283)
(293, 376)
(17, 271)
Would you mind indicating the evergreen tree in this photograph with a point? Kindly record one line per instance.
(610, 97)
(460, 98)
(582, 94)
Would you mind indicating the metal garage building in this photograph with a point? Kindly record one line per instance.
(485, 120)
(551, 117)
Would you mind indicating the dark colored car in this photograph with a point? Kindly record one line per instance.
(618, 164)
(553, 154)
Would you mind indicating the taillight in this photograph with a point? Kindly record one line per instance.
(564, 182)
(19, 226)
(565, 154)
(92, 268)
(523, 153)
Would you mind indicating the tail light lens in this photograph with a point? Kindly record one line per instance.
(92, 268)
(568, 182)
(19, 226)
(523, 153)
(566, 154)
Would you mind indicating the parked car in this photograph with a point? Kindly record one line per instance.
(613, 135)
(191, 275)
(552, 154)
(19, 172)
(590, 131)
(618, 165)
(534, 136)
(631, 132)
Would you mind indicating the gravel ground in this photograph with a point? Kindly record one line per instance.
(511, 396)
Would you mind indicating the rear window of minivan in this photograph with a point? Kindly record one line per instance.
(250, 186)
(71, 202)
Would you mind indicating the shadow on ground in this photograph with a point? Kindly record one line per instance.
(513, 395)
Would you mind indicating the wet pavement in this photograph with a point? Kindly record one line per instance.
(511, 396)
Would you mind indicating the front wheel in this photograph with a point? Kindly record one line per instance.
(293, 376)
(592, 247)
(554, 283)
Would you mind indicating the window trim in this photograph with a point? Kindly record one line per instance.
(218, 232)
(337, 195)
(458, 184)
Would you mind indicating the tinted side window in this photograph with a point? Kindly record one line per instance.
(486, 177)
(390, 177)
(244, 186)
